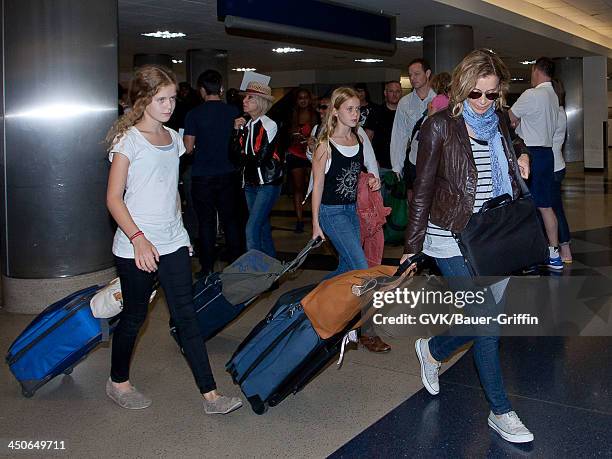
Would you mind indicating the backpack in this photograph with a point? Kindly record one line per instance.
(397, 221)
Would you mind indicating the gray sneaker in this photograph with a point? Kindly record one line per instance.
(131, 400)
(222, 405)
(510, 427)
(429, 370)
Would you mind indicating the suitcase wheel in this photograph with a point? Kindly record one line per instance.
(67, 371)
(27, 393)
(257, 405)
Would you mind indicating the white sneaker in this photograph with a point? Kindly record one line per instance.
(510, 427)
(429, 370)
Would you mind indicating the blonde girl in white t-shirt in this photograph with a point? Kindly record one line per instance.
(151, 241)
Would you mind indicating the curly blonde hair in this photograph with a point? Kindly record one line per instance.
(147, 81)
(480, 63)
(328, 125)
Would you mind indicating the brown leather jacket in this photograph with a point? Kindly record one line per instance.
(445, 187)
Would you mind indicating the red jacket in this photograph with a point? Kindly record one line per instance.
(372, 216)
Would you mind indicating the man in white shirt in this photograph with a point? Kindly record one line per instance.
(534, 115)
(410, 109)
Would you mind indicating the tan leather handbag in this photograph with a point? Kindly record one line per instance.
(335, 302)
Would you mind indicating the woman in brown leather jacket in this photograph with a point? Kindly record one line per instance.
(464, 160)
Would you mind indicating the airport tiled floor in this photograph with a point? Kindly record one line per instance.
(374, 406)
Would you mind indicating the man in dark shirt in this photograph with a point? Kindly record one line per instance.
(379, 125)
(216, 185)
(366, 106)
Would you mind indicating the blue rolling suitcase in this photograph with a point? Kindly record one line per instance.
(213, 309)
(284, 353)
(56, 341)
(274, 349)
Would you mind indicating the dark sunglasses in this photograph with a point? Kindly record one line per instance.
(478, 94)
(323, 107)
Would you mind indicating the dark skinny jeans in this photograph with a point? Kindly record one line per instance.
(557, 205)
(174, 271)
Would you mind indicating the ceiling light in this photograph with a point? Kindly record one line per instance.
(244, 69)
(177, 61)
(527, 62)
(369, 61)
(410, 39)
(517, 79)
(287, 50)
(164, 34)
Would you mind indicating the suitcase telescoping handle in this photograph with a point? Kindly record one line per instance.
(316, 242)
(417, 259)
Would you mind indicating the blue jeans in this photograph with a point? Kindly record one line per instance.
(557, 205)
(341, 225)
(486, 348)
(260, 200)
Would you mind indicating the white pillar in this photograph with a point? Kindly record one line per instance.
(595, 105)
(569, 71)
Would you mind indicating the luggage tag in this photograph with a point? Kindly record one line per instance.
(350, 337)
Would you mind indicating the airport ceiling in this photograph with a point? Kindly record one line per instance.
(198, 20)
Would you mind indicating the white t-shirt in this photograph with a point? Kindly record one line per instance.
(538, 109)
(151, 192)
(559, 139)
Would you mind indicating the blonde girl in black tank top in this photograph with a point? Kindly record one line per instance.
(336, 163)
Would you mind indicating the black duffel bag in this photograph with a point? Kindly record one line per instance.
(505, 236)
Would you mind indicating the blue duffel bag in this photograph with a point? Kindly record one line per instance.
(56, 340)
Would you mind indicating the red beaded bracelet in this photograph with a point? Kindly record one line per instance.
(135, 235)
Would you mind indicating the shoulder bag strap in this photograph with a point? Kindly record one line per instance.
(417, 126)
(524, 189)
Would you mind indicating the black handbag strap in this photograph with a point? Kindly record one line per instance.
(517, 172)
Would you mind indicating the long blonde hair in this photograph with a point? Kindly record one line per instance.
(329, 124)
(480, 63)
(146, 82)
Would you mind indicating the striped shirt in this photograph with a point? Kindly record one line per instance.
(440, 243)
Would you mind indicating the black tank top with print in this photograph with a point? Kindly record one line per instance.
(341, 180)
